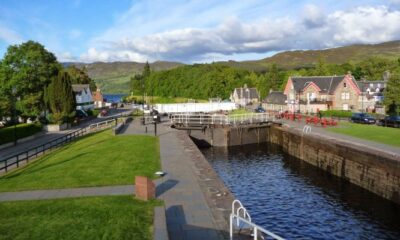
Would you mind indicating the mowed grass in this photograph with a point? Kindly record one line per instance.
(95, 160)
(112, 217)
(385, 135)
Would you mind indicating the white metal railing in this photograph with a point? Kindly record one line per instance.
(101, 125)
(307, 129)
(207, 119)
(241, 215)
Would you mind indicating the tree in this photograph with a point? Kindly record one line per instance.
(60, 99)
(80, 76)
(136, 84)
(321, 68)
(28, 67)
(392, 93)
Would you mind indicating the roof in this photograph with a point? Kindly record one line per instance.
(364, 85)
(247, 92)
(327, 84)
(79, 87)
(276, 98)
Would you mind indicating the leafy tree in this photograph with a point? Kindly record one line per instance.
(392, 93)
(321, 69)
(28, 67)
(136, 84)
(80, 76)
(60, 99)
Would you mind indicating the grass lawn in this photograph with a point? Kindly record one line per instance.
(95, 160)
(113, 217)
(239, 111)
(22, 130)
(385, 135)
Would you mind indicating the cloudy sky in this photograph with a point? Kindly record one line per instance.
(193, 31)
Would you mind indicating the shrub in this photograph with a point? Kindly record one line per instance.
(336, 113)
(22, 130)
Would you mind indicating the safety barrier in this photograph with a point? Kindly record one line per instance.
(240, 214)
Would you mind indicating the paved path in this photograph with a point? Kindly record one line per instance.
(187, 212)
(67, 193)
(344, 138)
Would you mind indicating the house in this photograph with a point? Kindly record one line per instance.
(275, 101)
(244, 96)
(371, 99)
(98, 99)
(83, 96)
(311, 94)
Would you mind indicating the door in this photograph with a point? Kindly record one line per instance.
(345, 106)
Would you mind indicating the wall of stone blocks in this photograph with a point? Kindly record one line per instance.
(376, 171)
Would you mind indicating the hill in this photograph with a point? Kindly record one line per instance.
(299, 58)
(113, 77)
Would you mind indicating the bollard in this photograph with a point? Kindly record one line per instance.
(145, 188)
(146, 129)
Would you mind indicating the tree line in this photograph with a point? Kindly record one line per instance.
(34, 84)
(203, 81)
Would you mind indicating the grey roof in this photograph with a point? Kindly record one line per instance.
(327, 84)
(364, 85)
(79, 87)
(247, 92)
(276, 98)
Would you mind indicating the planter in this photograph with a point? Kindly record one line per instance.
(55, 127)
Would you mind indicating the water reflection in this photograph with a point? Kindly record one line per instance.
(299, 201)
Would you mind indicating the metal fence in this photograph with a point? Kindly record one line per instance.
(220, 119)
(24, 157)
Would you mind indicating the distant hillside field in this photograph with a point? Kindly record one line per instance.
(114, 77)
(299, 58)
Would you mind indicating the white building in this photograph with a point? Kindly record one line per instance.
(83, 96)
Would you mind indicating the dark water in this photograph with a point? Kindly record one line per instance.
(298, 201)
(114, 98)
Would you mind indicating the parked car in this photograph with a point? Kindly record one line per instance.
(390, 121)
(362, 118)
(259, 110)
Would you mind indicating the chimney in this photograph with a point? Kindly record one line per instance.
(386, 75)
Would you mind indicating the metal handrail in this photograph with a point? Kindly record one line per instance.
(205, 119)
(245, 218)
(34, 152)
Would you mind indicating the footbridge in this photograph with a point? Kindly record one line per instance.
(199, 121)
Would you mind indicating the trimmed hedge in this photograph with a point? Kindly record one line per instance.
(336, 113)
(23, 130)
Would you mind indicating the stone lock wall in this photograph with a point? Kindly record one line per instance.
(376, 171)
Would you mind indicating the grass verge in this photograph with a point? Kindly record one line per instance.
(22, 130)
(111, 217)
(374, 133)
(96, 160)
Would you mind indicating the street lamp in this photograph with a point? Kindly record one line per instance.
(14, 92)
(143, 122)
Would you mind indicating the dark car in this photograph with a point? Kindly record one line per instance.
(390, 121)
(259, 110)
(362, 118)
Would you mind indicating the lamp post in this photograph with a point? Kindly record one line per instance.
(14, 92)
(362, 95)
(143, 122)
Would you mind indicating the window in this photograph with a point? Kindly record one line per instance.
(345, 95)
(344, 85)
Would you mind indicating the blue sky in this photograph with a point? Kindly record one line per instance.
(193, 31)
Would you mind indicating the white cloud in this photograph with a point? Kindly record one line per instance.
(313, 29)
(9, 36)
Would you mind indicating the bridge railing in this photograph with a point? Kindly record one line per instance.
(220, 119)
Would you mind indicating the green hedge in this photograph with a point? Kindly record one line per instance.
(336, 113)
(23, 130)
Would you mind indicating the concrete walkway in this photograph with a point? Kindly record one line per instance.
(187, 212)
(67, 193)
